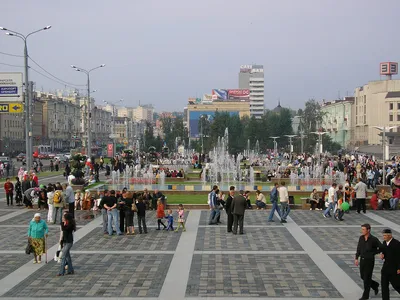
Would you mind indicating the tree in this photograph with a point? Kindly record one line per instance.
(310, 121)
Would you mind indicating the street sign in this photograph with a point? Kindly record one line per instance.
(11, 87)
(14, 108)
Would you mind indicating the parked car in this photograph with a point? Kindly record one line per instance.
(21, 157)
(51, 155)
(43, 156)
(67, 155)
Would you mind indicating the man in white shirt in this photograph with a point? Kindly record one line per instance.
(330, 201)
(361, 195)
(284, 199)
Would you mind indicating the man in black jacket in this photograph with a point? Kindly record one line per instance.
(228, 208)
(368, 246)
(238, 208)
(391, 267)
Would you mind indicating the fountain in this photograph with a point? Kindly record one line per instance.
(161, 182)
(251, 176)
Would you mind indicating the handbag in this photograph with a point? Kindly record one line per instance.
(29, 248)
(134, 207)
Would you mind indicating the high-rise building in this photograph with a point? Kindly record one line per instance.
(252, 77)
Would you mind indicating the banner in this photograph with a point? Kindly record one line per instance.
(110, 150)
(239, 94)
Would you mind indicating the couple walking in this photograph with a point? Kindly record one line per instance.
(284, 200)
(235, 207)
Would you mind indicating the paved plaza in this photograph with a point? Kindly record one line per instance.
(309, 257)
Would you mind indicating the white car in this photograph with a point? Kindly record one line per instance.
(67, 155)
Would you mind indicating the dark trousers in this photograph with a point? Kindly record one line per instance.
(230, 221)
(361, 205)
(71, 209)
(160, 222)
(366, 270)
(9, 197)
(393, 279)
(142, 221)
(122, 220)
(238, 220)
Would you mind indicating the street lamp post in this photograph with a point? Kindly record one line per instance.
(290, 136)
(275, 144)
(89, 106)
(384, 129)
(113, 104)
(28, 100)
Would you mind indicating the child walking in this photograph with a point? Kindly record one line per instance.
(170, 219)
(181, 218)
(160, 215)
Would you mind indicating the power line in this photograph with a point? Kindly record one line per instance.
(11, 65)
(61, 83)
(65, 82)
(15, 55)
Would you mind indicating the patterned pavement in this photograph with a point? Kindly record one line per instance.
(268, 261)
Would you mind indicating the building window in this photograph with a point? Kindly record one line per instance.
(390, 118)
(391, 106)
(398, 105)
(398, 117)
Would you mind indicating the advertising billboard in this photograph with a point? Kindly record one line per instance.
(11, 87)
(219, 94)
(194, 117)
(239, 94)
(207, 98)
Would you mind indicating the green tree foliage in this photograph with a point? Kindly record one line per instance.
(173, 128)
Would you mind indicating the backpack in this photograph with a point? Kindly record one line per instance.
(57, 197)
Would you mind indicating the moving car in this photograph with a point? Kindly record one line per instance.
(21, 157)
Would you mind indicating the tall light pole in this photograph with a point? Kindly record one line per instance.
(89, 106)
(384, 129)
(275, 143)
(320, 147)
(113, 104)
(291, 136)
(302, 141)
(28, 100)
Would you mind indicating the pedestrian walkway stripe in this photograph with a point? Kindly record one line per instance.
(174, 288)
(340, 280)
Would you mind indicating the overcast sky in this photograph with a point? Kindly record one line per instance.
(163, 52)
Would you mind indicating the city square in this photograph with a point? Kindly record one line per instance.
(309, 257)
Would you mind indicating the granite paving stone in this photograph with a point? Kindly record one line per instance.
(153, 241)
(98, 275)
(21, 219)
(315, 217)
(339, 238)
(5, 212)
(233, 275)
(390, 215)
(253, 239)
(251, 217)
(346, 263)
(11, 262)
(16, 239)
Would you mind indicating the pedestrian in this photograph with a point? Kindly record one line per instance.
(18, 191)
(228, 208)
(170, 221)
(69, 198)
(141, 215)
(260, 200)
(58, 205)
(239, 205)
(9, 189)
(284, 200)
(37, 232)
(160, 215)
(391, 266)
(361, 195)
(50, 203)
(104, 210)
(181, 217)
(214, 210)
(68, 227)
(368, 246)
(274, 201)
(110, 203)
(129, 209)
(330, 201)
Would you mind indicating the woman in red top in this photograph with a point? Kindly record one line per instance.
(9, 189)
(160, 214)
(374, 201)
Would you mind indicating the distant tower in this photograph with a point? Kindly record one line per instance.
(389, 69)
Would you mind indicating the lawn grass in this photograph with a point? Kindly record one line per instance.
(202, 199)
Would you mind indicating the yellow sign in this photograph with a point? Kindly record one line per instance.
(14, 108)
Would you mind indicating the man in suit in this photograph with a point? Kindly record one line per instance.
(239, 205)
(391, 267)
(228, 208)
